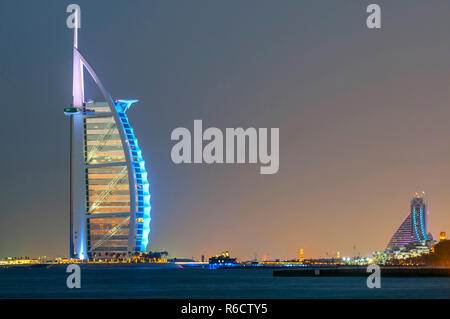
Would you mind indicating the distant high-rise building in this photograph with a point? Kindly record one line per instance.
(413, 229)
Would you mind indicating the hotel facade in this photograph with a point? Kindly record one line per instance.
(413, 230)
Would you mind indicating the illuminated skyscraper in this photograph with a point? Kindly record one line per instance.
(109, 189)
(413, 230)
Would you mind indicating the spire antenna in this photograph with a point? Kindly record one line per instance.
(78, 85)
(75, 32)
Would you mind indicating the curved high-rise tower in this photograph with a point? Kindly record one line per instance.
(109, 189)
(413, 230)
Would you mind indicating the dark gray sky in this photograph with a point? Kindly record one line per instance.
(363, 118)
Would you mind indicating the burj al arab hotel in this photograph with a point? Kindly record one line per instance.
(109, 189)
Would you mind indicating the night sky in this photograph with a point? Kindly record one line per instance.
(363, 115)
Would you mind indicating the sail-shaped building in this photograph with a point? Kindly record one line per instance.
(109, 188)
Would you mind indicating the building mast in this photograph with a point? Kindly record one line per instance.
(77, 102)
(78, 85)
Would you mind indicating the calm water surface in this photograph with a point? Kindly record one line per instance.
(206, 283)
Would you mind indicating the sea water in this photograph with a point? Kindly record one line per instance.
(206, 283)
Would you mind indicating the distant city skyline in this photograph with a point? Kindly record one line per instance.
(362, 115)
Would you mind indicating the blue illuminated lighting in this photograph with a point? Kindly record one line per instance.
(414, 222)
(81, 250)
(222, 265)
(422, 225)
(125, 104)
(140, 175)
